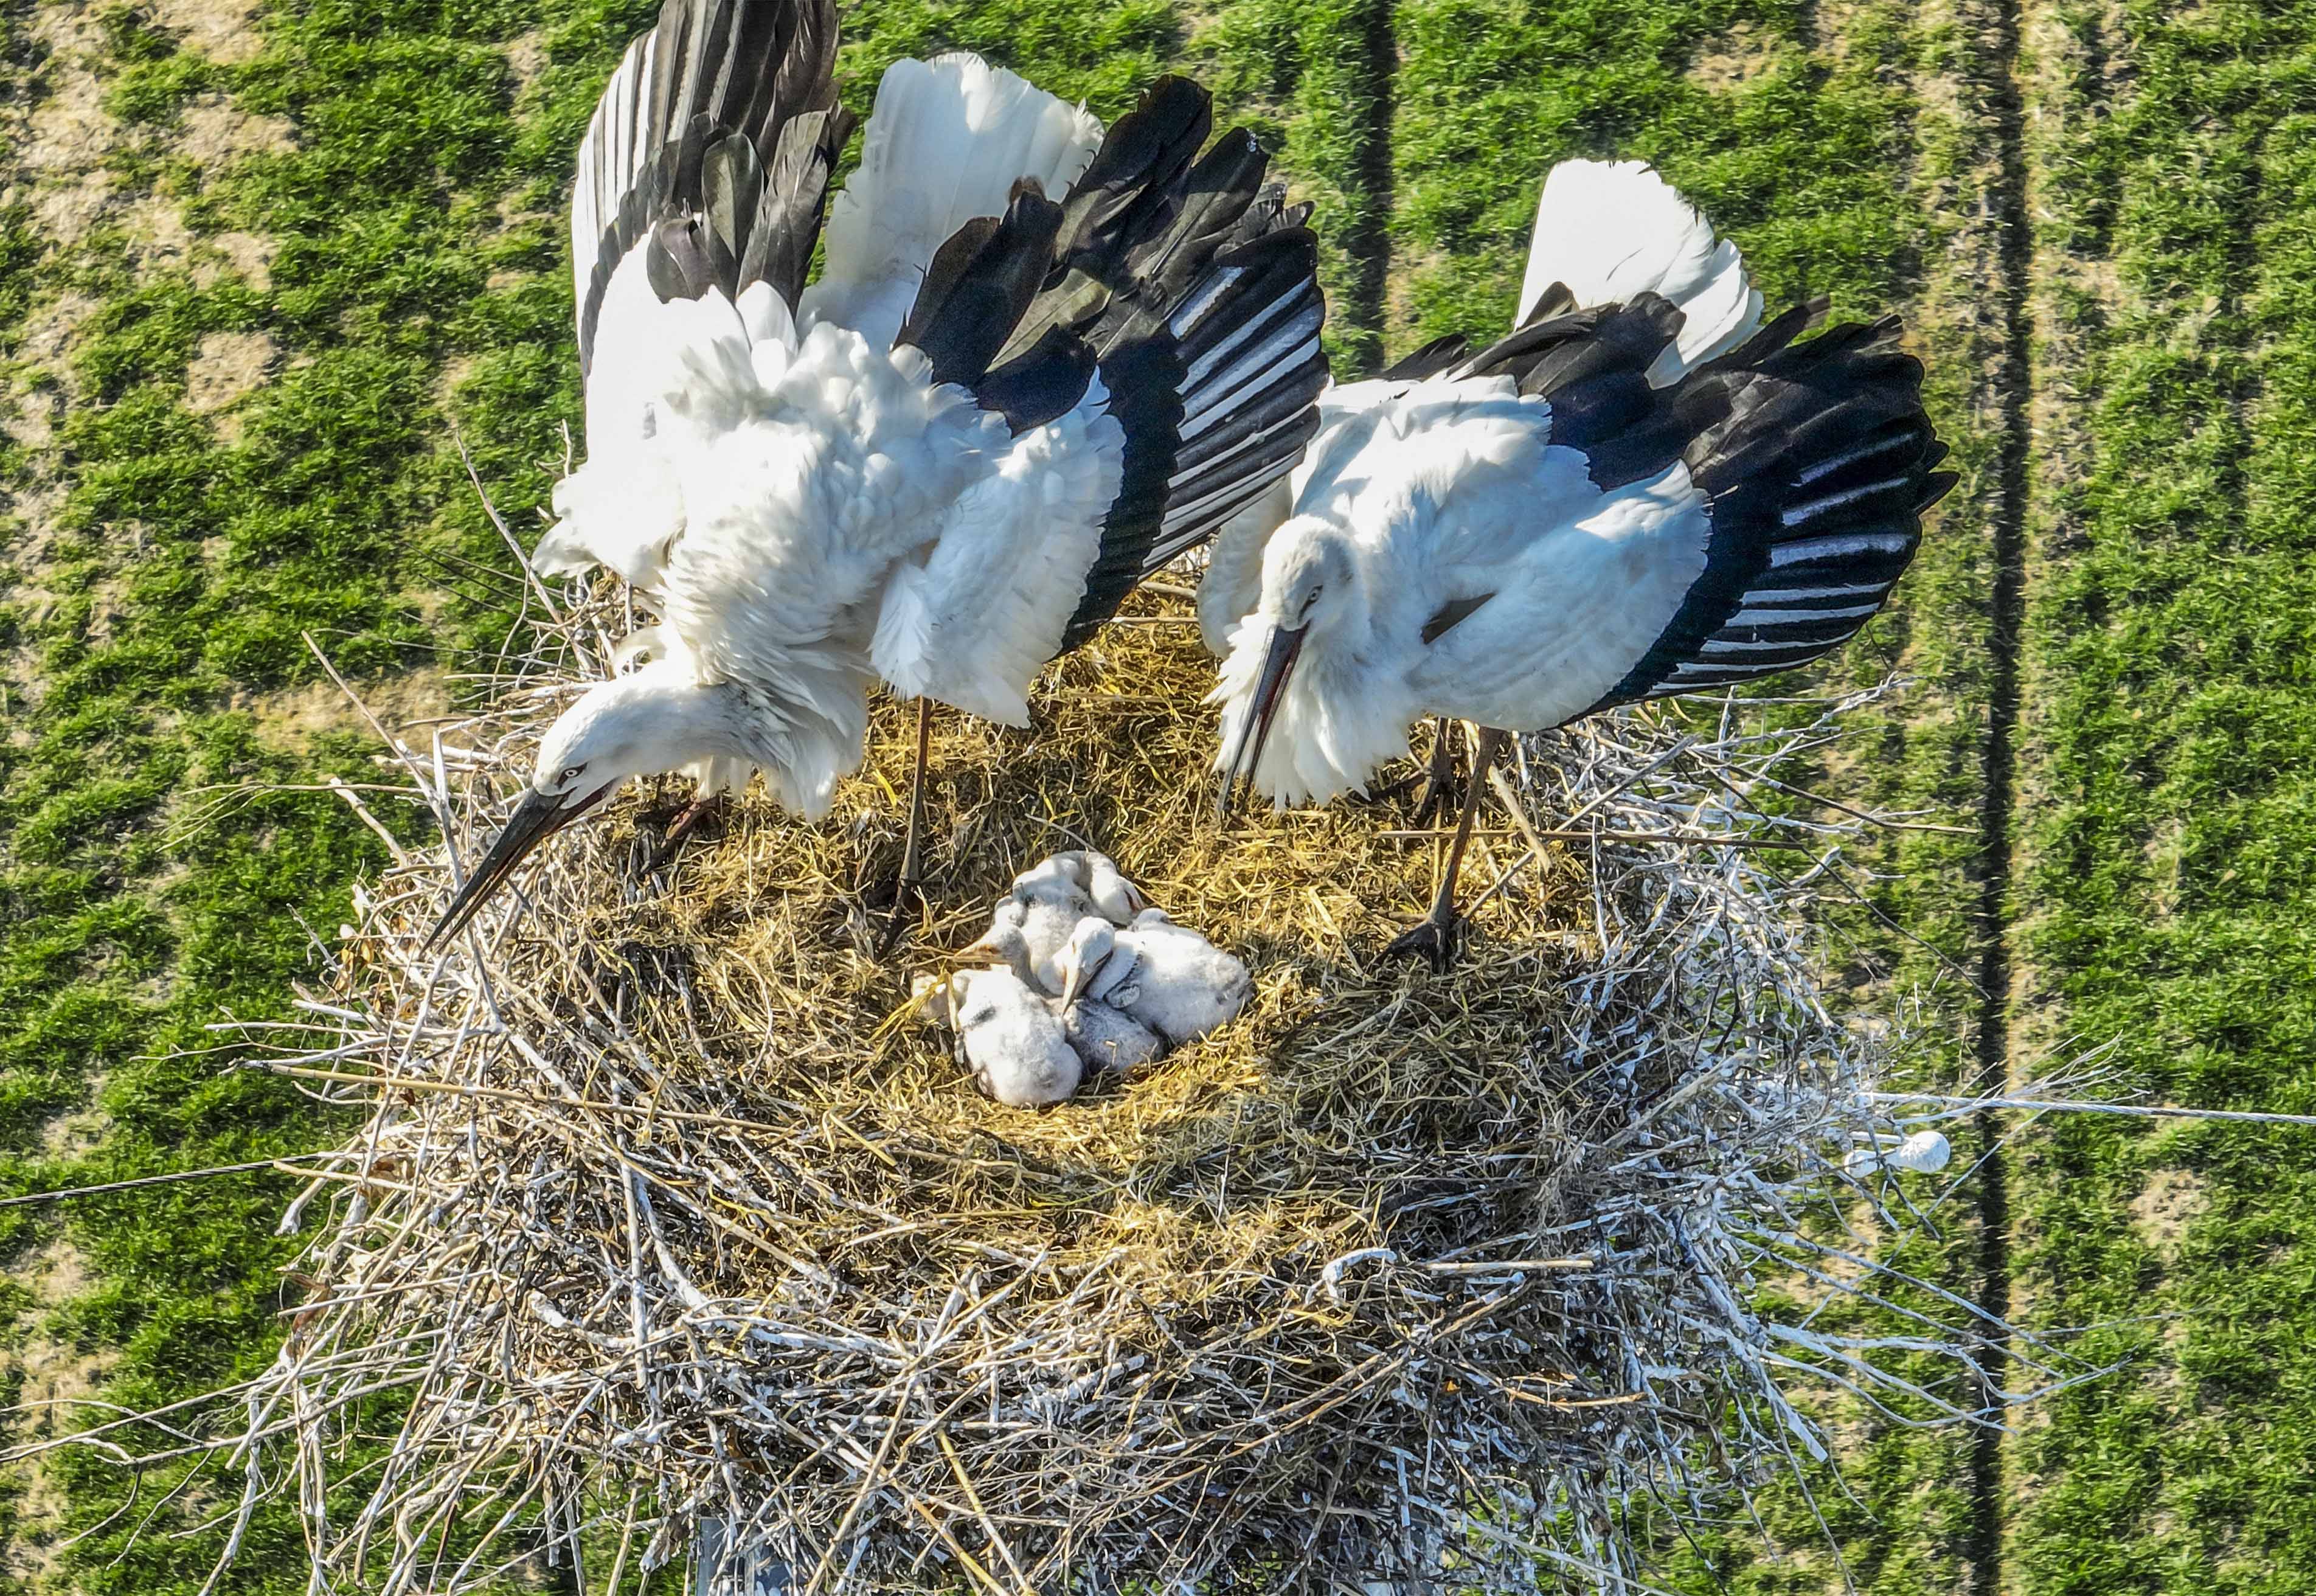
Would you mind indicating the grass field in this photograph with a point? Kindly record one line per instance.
(257, 260)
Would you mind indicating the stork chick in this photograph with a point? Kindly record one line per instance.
(1104, 1038)
(1167, 977)
(1012, 1040)
(1095, 875)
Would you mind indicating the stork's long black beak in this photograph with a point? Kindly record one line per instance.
(537, 817)
(1286, 643)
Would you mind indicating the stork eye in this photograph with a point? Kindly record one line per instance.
(1312, 598)
(571, 774)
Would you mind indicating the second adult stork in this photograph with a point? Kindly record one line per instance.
(1580, 516)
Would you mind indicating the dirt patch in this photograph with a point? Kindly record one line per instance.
(1833, 23)
(247, 256)
(1735, 60)
(65, 139)
(228, 367)
(58, 1379)
(225, 30)
(526, 55)
(452, 377)
(291, 719)
(79, 1133)
(2170, 1202)
(217, 132)
(158, 238)
(70, 126)
(48, 332)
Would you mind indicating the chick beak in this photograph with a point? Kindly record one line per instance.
(1073, 975)
(538, 817)
(1286, 644)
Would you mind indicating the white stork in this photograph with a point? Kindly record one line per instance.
(1039, 362)
(1638, 497)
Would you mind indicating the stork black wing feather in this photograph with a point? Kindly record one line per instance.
(979, 284)
(723, 119)
(1591, 367)
(1816, 460)
(1188, 286)
(1435, 359)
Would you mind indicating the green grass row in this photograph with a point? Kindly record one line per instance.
(2168, 902)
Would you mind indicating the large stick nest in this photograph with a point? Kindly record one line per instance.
(673, 1229)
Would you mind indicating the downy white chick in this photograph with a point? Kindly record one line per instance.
(1096, 875)
(1012, 1040)
(1104, 1038)
(1045, 905)
(1166, 976)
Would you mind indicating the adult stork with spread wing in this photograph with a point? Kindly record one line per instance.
(1041, 361)
(1636, 493)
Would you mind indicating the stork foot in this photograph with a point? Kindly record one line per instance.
(681, 826)
(1439, 799)
(1436, 939)
(899, 896)
(907, 896)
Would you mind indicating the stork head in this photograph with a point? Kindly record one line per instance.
(656, 719)
(1309, 588)
(1090, 946)
(1309, 579)
(1005, 941)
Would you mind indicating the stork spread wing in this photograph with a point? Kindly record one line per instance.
(1606, 232)
(1780, 489)
(1565, 536)
(710, 150)
(971, 623)
(1189, 287)
(948, 142)
(1817, 461)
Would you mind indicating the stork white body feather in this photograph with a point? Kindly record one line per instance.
(802, 501)
(1606, 230)
(970, 619)
(947, 142)
(1446, 490)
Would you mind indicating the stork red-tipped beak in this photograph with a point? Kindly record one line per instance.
(535, 819)
(1286, 644)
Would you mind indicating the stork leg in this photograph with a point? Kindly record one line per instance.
(905, 883)
(1436, 935)
(1439, 779)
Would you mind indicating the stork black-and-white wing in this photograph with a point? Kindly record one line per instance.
(711, 147)
(1748, 519)
(949, 141)
(1816, 480)
(693, 219)
(1608, 231)
(1186, 285)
